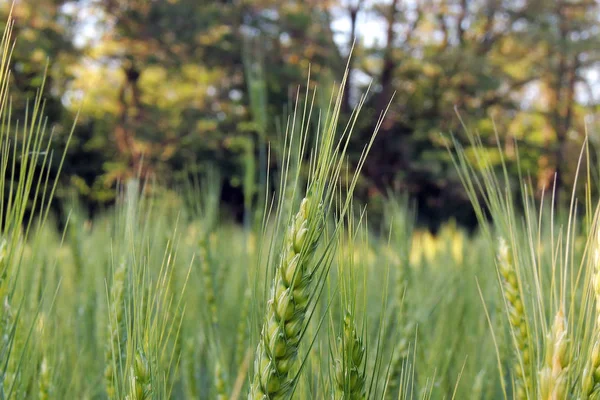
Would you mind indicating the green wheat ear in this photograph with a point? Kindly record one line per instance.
(140, 387)
(299, 275)
(277, 351)
(349, 367)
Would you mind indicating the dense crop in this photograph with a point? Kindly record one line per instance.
(158, 299)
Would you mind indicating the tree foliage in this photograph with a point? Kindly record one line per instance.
(168, 88)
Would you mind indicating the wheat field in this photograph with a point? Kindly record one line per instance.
(164, 297)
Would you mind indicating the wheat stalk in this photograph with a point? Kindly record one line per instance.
(209, 291)
(478, 385)
(282, 331)
(6, 321)
(406, 328)
(242, 328)
(188, 367)
(115, 330)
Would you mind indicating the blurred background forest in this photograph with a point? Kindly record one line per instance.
(173, 88)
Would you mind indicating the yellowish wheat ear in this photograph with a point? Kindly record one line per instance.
(220, 387)
(517, 320)
(44, 383)
(590, 380)
(553, 375)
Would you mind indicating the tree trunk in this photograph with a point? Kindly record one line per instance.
(124, 132)
(347, 89)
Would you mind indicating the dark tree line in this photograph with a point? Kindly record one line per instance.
(167, 88)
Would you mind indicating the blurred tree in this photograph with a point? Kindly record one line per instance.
(178, 76)
(486, 61)
(165, 88)
(177, 93)
(42, 56)
(43, 31)
(565, 36)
